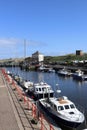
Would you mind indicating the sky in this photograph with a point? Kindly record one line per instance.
(52, 27)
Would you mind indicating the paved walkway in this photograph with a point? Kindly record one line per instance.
(13, 113)
(8, 120)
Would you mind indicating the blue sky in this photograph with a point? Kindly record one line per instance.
(53, 27)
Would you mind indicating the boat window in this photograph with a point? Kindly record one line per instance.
(72, 106)
(55, 107)
(45, 88)
(66, 107)
(48, 88)
(60, 108)
(42, 89)
(39, 89)
(36, 89)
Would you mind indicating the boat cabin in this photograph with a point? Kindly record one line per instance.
(42, 88)
(79, 72)
(60, 104)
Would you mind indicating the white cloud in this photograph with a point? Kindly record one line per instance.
(14, 46)
(8, 47)
(8, 41)
(35, 43)
(14, 41)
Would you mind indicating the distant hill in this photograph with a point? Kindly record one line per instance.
(66, 58)
(49, 59)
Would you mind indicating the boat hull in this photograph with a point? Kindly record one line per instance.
(80, 78)
(77, 77)
(62, 74)
(37, 96)
(60, 121)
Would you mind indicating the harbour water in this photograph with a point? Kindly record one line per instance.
(74, 90)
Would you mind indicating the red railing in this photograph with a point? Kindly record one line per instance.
(30, 104)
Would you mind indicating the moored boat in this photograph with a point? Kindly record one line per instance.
(26, 84)
(63, 111)
(51, 70)
(40, 90)
(64, 72)
(79, 75)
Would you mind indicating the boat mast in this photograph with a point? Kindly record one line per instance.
(24, 49)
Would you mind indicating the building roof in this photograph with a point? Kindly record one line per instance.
(36, 53)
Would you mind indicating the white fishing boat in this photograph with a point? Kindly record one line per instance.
(26, 84)
(63, 111)
(41, 68)
(51, 70)
(64, 72)
(40, 90)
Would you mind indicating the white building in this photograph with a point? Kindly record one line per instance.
(37, 57)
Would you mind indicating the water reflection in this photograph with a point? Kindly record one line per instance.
(78, 82)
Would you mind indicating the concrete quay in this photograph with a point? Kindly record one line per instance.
(14, 112)
(8, 119)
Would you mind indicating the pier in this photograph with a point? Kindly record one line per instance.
(71, 68)
(17, 111)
